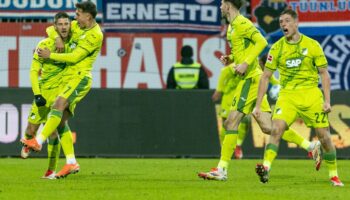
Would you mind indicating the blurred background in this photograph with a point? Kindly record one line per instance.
(129, 113)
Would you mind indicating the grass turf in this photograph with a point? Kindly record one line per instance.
(168, 179)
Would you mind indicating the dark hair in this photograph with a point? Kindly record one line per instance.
(186, 51)
(60, 15)
(290, 12)
(236, 3)
(87, 7)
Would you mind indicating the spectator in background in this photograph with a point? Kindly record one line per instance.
(187, 74)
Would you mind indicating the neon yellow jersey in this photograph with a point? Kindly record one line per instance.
(297, 63)
(246, 44)
(88, 45)
(51, 71)
(228, 80)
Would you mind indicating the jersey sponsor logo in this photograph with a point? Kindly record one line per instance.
(294, 62)
(269, 58)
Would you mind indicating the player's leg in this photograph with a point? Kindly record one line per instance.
(227, 148)
(30, 133)
(242, 103)
(71, 166)
(222, 132)
(242, 133)
(329, 155)
(74, 91)
(316, 118)
(36, 117)
(53, 154)
(278, 127)
(289, 115)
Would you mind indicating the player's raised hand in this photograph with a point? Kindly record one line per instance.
(43, 53)
(241, 68)
(327, 107)
(59, 45)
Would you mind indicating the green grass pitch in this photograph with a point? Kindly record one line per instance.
(169, 179)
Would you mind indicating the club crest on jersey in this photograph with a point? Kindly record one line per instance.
(304, 51)
(294, 62)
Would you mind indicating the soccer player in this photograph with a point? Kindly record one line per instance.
(225, 90)
(77, 79)
(299, 60)
(246, 44)
(46, 90)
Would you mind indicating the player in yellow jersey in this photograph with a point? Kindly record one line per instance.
(46, 89)
(77, 79)
(300, 60)
(225, 90)
(246, 45)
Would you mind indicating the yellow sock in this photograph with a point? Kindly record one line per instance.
(67, 143)
(53, 153)
(331, 162)
(227, 149)
(292, 136)
(222, 135)
(242, 132)
(270, 154)
(52, 123)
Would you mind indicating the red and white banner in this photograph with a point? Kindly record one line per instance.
(127, 60)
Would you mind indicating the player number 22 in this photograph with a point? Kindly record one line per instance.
(320, 117)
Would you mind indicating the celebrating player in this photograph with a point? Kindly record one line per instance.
(77, 78)
(46, 90)
(246, 44)
(299, 59)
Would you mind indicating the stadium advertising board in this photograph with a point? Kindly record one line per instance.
(140, 60)
(40, 8)
(157, 16)
(159, 136)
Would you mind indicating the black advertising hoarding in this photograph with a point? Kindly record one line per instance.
(156, 123)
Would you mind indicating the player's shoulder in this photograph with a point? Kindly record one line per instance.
(310, 40)
(47, 42)
(278, 44)
(96, 33)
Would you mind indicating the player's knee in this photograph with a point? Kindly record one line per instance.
(266, 130)
(276, 130)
